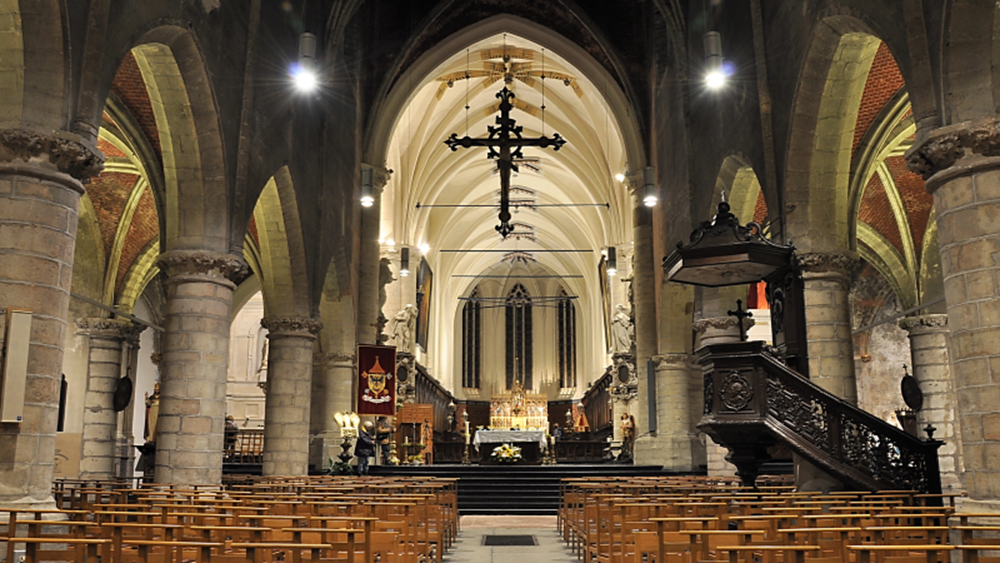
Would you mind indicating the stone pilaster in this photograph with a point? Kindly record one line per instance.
(125, 466)
(195, 361)
(100, 420)
(368, 291)
(932, 370)
(41, 177)
(289, 382)
(827, 281)
(335, 394)
(961, 166)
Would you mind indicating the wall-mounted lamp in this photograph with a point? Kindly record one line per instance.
(348, 422)
(715, 75)
(404, 261)
(367, 188)
(304, 73)
(612, 261)
(650, 193)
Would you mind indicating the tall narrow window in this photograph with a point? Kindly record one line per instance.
(566, 341)
(519, 337)
(471, 345)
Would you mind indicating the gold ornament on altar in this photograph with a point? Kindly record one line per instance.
(520, 410)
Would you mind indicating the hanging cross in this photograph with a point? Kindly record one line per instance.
(740, 314)
(505, 144)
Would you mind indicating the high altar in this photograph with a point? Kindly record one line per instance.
(519, 410)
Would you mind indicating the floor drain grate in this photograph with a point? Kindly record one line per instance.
(509, 540)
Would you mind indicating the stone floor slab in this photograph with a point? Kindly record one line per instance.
(469, 546)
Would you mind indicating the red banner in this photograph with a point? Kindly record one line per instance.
(376, 380)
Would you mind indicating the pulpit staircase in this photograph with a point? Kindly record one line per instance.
(754, 401)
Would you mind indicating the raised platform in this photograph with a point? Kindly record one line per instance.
(514, 489)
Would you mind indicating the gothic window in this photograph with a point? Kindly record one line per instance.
(566, 341)
(519, 337)
(471, 345)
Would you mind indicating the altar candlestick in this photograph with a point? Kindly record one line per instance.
(466, 432)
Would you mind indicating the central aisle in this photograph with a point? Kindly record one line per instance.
(469, 546)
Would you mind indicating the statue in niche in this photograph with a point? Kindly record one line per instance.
(403, 326)
(384, 277)
(622, 333)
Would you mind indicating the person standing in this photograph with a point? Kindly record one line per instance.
(383, 435)
(365, 447)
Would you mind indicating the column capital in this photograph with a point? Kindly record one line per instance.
(922, 324)
(327, 358)
(291, 327)
(945, 146)
(25, 151)
(110, 329)
(822, 264)
(203, 265)
(636, 180)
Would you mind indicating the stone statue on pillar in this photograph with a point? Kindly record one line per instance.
(622, 332)
(403, 326)
(384, 279)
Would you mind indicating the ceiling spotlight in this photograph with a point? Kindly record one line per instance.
(367, 191)
(650, 193)
(715, 76)
(424, 249)
(404, 261)
(612, 263)
(304, 72)
(620, 177)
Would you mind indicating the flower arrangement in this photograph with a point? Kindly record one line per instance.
(506, 453)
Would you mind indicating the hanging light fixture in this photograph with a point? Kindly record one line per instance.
(650, 193)
(612, 263)
(367, 187)
(715, 75)
(304, 73)
(404, 261)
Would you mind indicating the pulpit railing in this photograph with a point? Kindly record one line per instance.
(753, 401)
(428, 391)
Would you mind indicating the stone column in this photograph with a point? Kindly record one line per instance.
(675, 436)
(932, 370)
(827, 281)
(962, 171)
(40, 188)
(335, 375)
(644, 311)
(289, 382)
(125, 466)
(100, 420)
(194, 366)
(718, 330)
(368, 290)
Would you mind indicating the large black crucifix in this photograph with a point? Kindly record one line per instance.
(505, 144)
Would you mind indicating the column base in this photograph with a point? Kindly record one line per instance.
(324, 449)
(673, 452)
(27, 503)
(969, 505)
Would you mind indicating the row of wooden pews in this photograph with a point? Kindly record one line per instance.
(327, 519)
(703, 520)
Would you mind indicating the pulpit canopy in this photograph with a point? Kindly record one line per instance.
(722, 252)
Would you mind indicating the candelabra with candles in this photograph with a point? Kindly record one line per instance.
(466, 458)
(348, 422)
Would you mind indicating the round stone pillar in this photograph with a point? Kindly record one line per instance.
(100, 420)
(827, 281)
(675, 434)
(644, 295)
(962, 171)
(334, 393)
(40, 188)
(288, 393)
(190, 430)
(932, 370)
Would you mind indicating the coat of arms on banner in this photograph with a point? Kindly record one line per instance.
(376, 383)
(377, 379)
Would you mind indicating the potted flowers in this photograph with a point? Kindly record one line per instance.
(506, 453)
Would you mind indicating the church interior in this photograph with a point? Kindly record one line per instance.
(749, 245)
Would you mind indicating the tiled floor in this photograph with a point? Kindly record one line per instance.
(469, 547)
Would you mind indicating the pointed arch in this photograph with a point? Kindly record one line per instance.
(281, 258)
(194, 162)
(970, 60)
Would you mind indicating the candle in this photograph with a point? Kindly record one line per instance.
(466, 432)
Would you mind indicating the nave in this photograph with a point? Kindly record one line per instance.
(661, 519)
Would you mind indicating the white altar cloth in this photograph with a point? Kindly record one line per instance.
(510, 436)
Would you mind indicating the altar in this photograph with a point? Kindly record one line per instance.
(533, 444)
